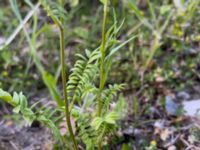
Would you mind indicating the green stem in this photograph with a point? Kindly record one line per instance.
(102, 65)
(99, 146)
(67, 114)
(64, 77)
(103, 47)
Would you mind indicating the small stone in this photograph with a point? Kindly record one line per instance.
(160, 79)
(37, 147)
(192, 107)
(129, 131)
(159, 124)
(137, 132)
(170, 106)
(172, 147)
(183, 95)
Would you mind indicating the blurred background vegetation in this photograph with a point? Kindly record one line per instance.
(166, 47)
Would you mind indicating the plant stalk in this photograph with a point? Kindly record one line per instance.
(64, 77)
(102, 65)
(67, 114)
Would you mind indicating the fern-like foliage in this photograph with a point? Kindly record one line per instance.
(109, 93)
(83, 73)
(81, 87)
(20, 106)
(92, 129)
(85, 131)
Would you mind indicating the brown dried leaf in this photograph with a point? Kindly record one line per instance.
(164, 135)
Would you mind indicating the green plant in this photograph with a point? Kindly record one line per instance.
(20, 106)
(102, 65)
(60, 24)
(96, 114)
